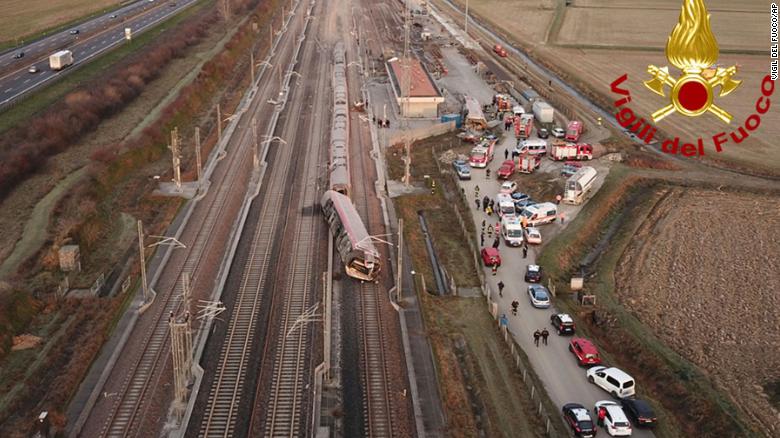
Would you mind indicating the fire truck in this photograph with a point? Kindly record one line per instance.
(482, 153)
(573, 131)
(500, 51)
(529, 163)
(524, 124)
(571, 151)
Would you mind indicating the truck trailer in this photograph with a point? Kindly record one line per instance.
(579, 185)
(544, 112)
(60, 60)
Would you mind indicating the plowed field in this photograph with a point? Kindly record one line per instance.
(703, 271)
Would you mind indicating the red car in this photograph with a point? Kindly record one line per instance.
(490, 256)
(506, 170)
(586, 353)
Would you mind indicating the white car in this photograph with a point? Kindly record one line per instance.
(539, 296)
(558, 132)
(533, 236)
(508, 187)
(615, 421)
(613, 380)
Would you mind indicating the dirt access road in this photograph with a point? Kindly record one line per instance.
(695, 267)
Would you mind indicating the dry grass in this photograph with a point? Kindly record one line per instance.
(611, 25)
(526, 20)
(21, 18)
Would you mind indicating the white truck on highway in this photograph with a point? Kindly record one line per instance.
(578, 185)
(60, 60)
(543, 112)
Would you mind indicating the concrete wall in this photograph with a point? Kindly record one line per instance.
(422, 132)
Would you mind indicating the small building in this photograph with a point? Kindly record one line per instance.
(424, 96)
(70, 258)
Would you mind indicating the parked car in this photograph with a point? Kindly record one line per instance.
(570, 168)
(639, 411)
(74, 32)
(32, 69)
(579, 420)
(586, 353)
(613, 380)
(539, 296)
(533, 273)
(519, 196)
(18, 55)
(563, 323)
(491, 256)
(112, 16)
(615, 421)
(508, 187)
(558, 132)
(533, 236)
(462, 169)
(523, 203)
(506, 170)
(543, 133)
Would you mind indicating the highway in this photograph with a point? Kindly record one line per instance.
(95, 36)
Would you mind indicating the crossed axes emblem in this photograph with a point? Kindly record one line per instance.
(720, 77)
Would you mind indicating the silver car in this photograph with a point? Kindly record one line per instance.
(539, 296)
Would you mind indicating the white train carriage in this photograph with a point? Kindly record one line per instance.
(354, 245)
(339, 133)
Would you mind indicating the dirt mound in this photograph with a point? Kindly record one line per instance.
(703, 271)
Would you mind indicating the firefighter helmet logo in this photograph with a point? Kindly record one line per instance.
(693, 49)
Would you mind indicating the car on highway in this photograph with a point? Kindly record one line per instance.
(33, 69)
(613, 380)
(18, 55)
(563, 323)
(112, 16)
(506, 170)
(558, 132)
(542, 133)
(533, 236)
(615, 420)
(533, 274)
(639, 411)
(462, 169)
(579, 420)
(490, 256)
(74, 32)
(539, 296)
(508, 187)
(585, 352)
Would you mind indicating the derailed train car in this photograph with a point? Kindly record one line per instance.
(353, 243)
(339, 131)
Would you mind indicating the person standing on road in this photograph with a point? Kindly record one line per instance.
(487, 173)
(490, 231)
(498, 228)
(485, 202)
(476, 201)
(545, 334)
(481, 239)
(514, 307)
(501, 289)
(506, 153)
(476, 191)
(489, 211)
(536, 337)
(495, 268)
(602, 414)
(525, 251)
(483, 224)
(558, 199)
(563, 218)
(496, 242)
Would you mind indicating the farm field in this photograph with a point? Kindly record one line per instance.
(525, 20)
(21, 18)
(706, 285)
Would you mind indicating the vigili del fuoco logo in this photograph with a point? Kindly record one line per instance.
(693, 49)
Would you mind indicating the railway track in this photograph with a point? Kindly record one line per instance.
(287, 388)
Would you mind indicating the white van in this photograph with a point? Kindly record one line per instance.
(613, 380)
(505, 205)
(536, 146)
(512, 230)
(539, 214)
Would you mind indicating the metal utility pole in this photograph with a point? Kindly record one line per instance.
(400, 269)
(255, 155)
(466, 19)
(219, 122)
(197, 152)
(142, 259)
(181, 348)
(176, 158)
(252, 65)
(405, 95)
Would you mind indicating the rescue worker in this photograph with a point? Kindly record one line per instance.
(545, 334)
(483, 224)
(558, 199)
(496, 242)
(506, 153)
(476, 201)
(487, 174)
(536, 337)
(489, 211)
(495, 268)
(490, 230)
(500, 288)
(525, 251)
(476, 191)
(481, 239)
(602, 414)
(485, 202)
(514, 307)
(563, 218)
(498, 228)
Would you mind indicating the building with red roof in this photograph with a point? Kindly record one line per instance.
(423, 97)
